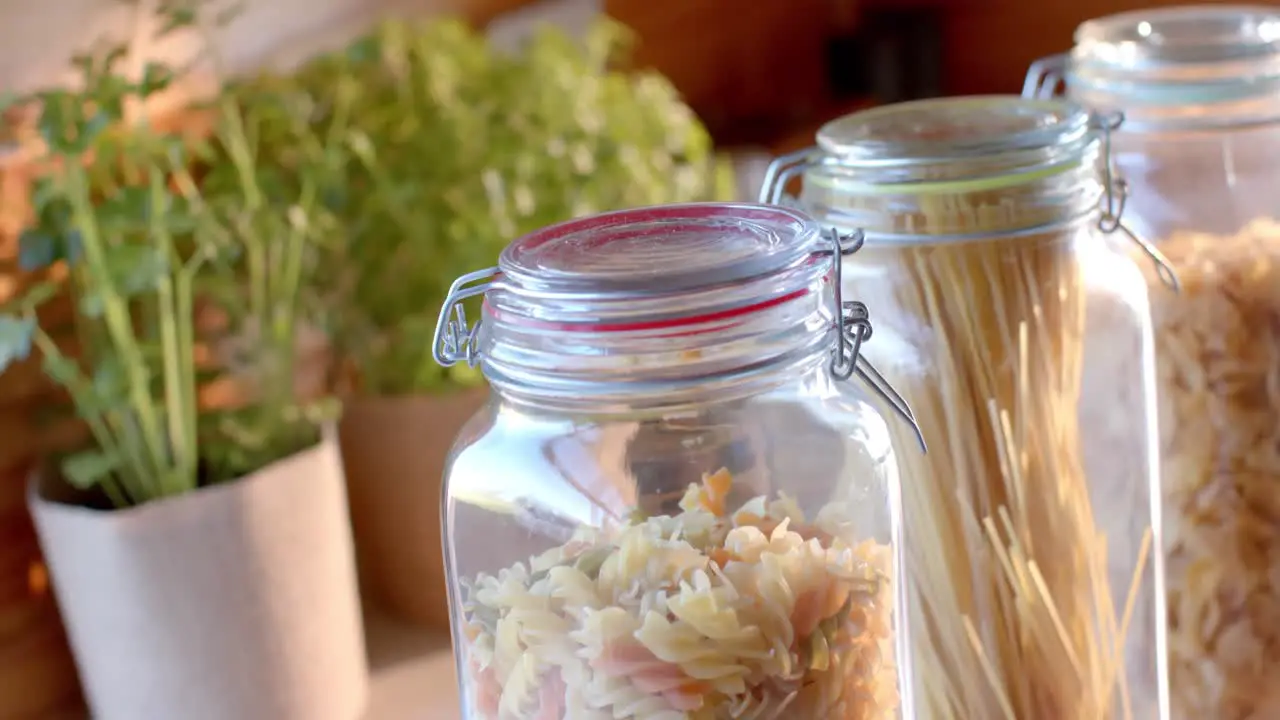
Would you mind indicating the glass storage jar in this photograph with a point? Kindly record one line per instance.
(1200, 91)
(1002, 298)
(674, 506)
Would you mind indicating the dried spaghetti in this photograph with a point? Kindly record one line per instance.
(1014, 608)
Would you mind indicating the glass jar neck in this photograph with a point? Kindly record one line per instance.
(1164, 100)
(1011, 194)
(619, 369)
(651, 307)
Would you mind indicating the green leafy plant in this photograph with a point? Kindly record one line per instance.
(456, 148)
(187, 263)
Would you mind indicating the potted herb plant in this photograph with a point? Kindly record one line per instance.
(199, 545)
(460, 147)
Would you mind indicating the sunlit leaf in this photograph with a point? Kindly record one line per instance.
(87, 469)
(38, 294)
(155, 77)
(61, 370)
(16, 335)
(134, 269)
(36, 250)
(109, 381)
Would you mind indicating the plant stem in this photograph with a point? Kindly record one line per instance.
(284, 303)
(189, 403)
(183, 474)
(291, 268)
(235, 140)
(118, 321)
(131, 450)
(278, 380)
(82, 396)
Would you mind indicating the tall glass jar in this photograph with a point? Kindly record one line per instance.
(676, 505)
(1011, 318)
(1200, 91)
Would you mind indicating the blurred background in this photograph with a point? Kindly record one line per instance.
(761, 75)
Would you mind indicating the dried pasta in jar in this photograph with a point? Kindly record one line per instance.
(1218, 364)
(712, 613)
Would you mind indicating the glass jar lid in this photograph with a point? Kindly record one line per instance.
(657, 251)
(922, 171)
(688, 269)
(1178, 37)
(953, 129)
(1173, 59)
(959, 137)
(659, 268)
(952, 146)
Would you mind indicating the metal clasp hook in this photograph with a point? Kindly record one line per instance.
(1117, 194)
(1044, 76)
(855, 329)
(453, 341)
(855, 319)
(783, 170)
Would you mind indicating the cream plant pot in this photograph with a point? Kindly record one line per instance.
(394, 450)
(234, 602)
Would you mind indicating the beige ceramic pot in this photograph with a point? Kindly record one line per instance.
(233, 602)
(394, 450)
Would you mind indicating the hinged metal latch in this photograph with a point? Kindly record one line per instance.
(1116, 194)
(1044, 77)
(855, 329)
(454, 341)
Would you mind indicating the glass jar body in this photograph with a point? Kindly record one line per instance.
(1031, 523)
(1210, 200)
(723, 559)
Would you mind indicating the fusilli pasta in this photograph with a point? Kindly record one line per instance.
(705, 615)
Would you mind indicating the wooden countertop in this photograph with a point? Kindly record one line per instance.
(412, 673)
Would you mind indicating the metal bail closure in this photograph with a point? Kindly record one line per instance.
(855, 328)
(1044, 76)
(454, 341)
(783, 170)
(1117, 193)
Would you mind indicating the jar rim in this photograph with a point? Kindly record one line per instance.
(1180, 36)
(1175, 56)
(1036, 165)
(658, 300)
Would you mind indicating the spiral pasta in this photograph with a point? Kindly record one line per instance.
(705, 615)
